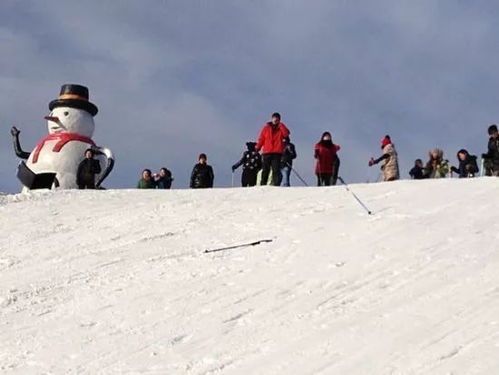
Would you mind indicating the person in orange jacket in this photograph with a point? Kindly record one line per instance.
(271, 140)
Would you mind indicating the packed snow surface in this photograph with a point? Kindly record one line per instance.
(117, 282)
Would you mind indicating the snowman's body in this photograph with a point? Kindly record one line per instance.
(63, 162)
(70, 132)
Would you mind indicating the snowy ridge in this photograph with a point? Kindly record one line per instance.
(116, 282)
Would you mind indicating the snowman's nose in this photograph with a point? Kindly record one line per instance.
(52, 118)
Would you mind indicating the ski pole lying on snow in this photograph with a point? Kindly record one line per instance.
(297, 175)
(237, 246)
(357, 198)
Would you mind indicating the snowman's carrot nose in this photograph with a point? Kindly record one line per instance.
(52, 118)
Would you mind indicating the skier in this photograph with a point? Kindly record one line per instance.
(164, 179)
(326, 165)
(491, 158)
(416, 172)
(202, 174)
(87, 169)
(146, 182)
(437, 166)
(251, 162)
(390, 167)
(467, 164)
(271, 141)
(288, 155)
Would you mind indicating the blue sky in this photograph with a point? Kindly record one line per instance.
(173, 79)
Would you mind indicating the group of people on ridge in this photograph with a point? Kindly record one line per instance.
(438, 167)
(276, 161)
(278, 152)
(201, 177)
(271, 158)
(161, 180)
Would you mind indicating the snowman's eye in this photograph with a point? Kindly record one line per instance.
(66, 113)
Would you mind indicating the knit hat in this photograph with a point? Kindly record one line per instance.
(277, 115)
(386, 141)
(492, 129)
(202, 156)
(251, 146)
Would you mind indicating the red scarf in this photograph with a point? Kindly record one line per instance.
(62, 139)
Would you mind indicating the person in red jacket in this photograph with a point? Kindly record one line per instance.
(271, 140)
(327, 160)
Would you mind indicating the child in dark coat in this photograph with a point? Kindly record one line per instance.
(251, 162)
(417, 172)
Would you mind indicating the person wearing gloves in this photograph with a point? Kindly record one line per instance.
(288, 155)
(467, 165)
(271, 141)
(251, 162)
(325, 153)
(390, 165)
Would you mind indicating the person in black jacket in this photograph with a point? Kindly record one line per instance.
(491, 158)
(252, 163)
(287, 158)
(164, 179)
(202, 174)
(417, 172)
(467, 164)
(88, 168)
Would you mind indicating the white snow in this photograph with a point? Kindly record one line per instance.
(116, 282)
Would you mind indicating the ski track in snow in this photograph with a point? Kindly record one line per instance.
(116, 282)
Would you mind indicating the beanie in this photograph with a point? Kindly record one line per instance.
(386, 141)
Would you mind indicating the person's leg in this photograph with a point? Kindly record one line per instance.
(252, 178)
(495, 169)
(286, 171)
(327, 179)
(279, 183)
(319, 179)
(276, 169)
(244, 178)
(267, 159)
(335, 171)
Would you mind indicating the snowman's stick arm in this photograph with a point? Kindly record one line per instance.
(17, 144)
(110, 163)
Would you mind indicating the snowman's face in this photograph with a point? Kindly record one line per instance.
(70, 120)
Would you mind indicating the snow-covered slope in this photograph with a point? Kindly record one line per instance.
(116, 282)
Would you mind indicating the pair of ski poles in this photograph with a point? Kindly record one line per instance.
(369, 212)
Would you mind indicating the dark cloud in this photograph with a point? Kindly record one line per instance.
(173, 79)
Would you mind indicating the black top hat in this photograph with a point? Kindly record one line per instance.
(74, 96)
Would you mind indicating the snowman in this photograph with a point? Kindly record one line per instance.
(54, 161)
